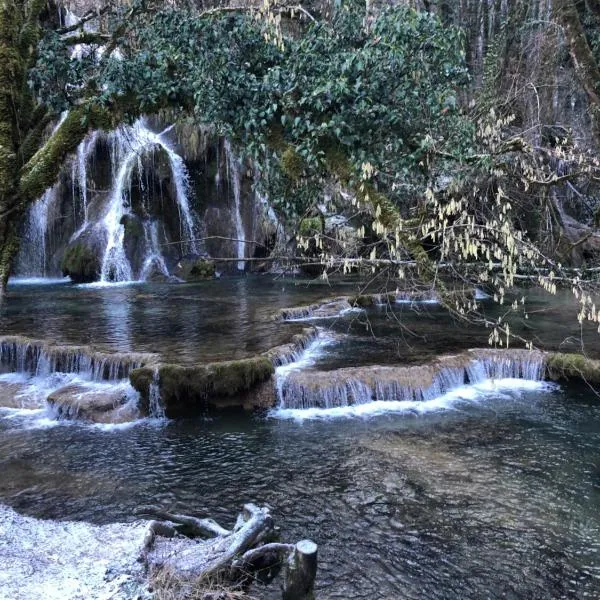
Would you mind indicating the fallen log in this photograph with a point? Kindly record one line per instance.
(192, 553)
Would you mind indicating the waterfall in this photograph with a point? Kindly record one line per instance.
(127, 146)
(34, 357)
(301, 388)
(154, 258)
(32, 259)
(234, 176)
(83, 153)
(297, 358)
(155, 409)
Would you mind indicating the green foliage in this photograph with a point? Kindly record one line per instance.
(336, 95)
(202, 269)
(310, 226)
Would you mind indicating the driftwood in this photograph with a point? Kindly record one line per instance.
(196, 550)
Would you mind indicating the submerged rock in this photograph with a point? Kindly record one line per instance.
(106, 404)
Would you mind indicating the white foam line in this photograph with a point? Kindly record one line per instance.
(342, 313)
(449, 401)
(16, 281)
(40, 418)
(413, 301)
(108, 284)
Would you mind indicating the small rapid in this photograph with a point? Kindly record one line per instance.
(304, 391)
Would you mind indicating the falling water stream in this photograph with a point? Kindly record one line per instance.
(234, 176)
(128, 144)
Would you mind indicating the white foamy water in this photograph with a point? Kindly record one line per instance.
(63, 560)
(480, 392)
(302, 359)
(234, 176)
(28, 408)
(38, 280)
(108, 284)
(353, 310)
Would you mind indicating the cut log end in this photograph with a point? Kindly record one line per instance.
(246, 553)
(301, 572)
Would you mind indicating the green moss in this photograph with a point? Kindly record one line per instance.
(80, 263)
(43, 168)
(292, 164)
(564, 366)
(336, 161)
(133, 227)
(202, 269)
(187, 390)
(311, 225)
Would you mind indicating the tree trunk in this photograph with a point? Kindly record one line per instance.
(584, 62)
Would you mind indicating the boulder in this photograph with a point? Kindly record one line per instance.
(81, 263)
(195, 269)
(106, 404)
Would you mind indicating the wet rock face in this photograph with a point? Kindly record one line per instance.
(183, 193)
(188, 391)
(76, 402)
(81, 263)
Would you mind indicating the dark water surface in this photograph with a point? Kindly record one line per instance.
(493, 499)
(497, 497)
(220, 319)
(232, 318)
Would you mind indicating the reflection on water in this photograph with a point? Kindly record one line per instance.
(498, 499)
(232, 318)
(225, 319)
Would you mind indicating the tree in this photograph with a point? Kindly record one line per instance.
(319, 100)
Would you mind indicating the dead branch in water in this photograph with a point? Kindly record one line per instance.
(193, 552)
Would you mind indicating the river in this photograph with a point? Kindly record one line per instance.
(492, 493)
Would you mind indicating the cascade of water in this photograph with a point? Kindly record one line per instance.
(154, 259)
(20, 355)
(127, 145)
(83, 153)
(299, 388)
(156, 409)
(32, 259)
(234, 177)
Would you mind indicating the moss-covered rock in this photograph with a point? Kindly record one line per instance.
(572, 366)
(292, 164)
(311, 226)
(81, 264)
(195, 269)
(133, 227)
(203, 269)
(187, 390)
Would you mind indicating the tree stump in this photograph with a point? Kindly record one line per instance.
(193, 552)
(300, 572)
